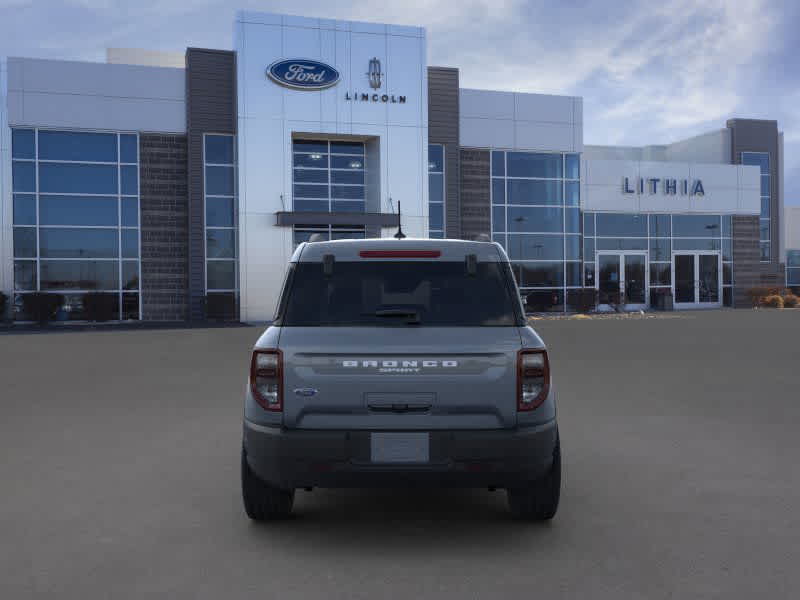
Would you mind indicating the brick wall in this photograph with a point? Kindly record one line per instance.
(165, 227)
(475, 197)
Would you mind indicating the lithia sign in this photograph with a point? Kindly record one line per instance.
(669, 187)
(306, 74)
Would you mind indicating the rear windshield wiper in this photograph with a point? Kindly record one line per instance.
(413, 315)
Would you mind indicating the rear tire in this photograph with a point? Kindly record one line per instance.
(538, 500)
(263, 502)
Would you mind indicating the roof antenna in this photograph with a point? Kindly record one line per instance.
(399, 235)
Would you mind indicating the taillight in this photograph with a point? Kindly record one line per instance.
(266, 378)
(533, 378)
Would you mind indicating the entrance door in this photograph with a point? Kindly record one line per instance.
(697, 279)
(622, 280)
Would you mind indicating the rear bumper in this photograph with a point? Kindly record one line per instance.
(320, 458)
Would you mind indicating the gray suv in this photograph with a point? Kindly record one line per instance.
(400, 363)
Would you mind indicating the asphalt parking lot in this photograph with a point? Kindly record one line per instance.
(119, 457)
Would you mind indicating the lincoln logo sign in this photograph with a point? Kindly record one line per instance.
(302, 74)
(670, 187)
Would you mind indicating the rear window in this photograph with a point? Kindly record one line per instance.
(391, 294)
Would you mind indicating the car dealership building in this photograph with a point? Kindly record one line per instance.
(182, 183)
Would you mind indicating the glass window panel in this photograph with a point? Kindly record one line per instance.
(347, 235)
(727, 226)
(23, 176)
(347, 192)
(573, 166)
(436, 187)
(793, 277)
(220, 243)
(25, 242)
(763, 229)
(660, 226)
(695, 244)
(315, 161)
(572, 191)
(660, 274)
(25, 275)
(311, 175)
(532, 164)
(621, 244)
(765, 208)
(540, 220)
(344, 162)
(543, 300)
(311, 205)
(23, 143)
(793, 258)
(79, 275)
(588, 249)
(622, 225)
(765, 185)
(77, 145)
(436, 235)
(500, 239)
(221, 274)
(536, 247)
(77, 210)
(130, 307)
(727, 249)
(24, 209)
(727, 297)
(310, 146)
(435, 158)
(310, 191)
(660, 249)
(759, 159)
(130, 274)
(573, 274)
(588, 274)
(696, 225)
(572, 220)
(436, 216)
(219, 212)
(78, 243)
(542, 274)
(572, 246)
(498, 191)
(129, 183)
(219, 181)
(130, 243)
(303, 235)
(766, 251)
(128, 148)
(527, 191)
(219, 149)
(130, 212)
(348, 206)
(727, 273)
(77, 179)
(358, 177)
(588, 224)
(498, 163)
(347, 148)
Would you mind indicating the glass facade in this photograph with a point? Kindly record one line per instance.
(436, 192)
(536, 218)
(660, 235)
(221, 222)
(761, 160)
(793, 268)
(328, 176)
(76, 218)
(302, 233)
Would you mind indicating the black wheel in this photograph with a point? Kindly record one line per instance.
(538, 501)
(263, 502)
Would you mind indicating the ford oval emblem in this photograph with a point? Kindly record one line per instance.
(306, 392)
(303, 74)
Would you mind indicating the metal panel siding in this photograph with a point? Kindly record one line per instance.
(210, 108)
(475, 195)
(443, 128)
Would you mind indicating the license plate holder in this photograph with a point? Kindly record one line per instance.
(400, 447)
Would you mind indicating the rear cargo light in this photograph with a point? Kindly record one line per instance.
(400, 253)
(533, 378)
(266, 378)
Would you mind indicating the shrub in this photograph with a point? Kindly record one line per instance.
(99, 306)
(773, 301)
(41, 306)
(790, 301)
(3, 306)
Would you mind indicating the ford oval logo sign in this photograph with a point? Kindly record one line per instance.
(303, 74)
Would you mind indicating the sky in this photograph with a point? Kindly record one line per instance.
(649, 72)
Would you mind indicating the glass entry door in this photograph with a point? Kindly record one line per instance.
(622, 279)
(697, 279)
